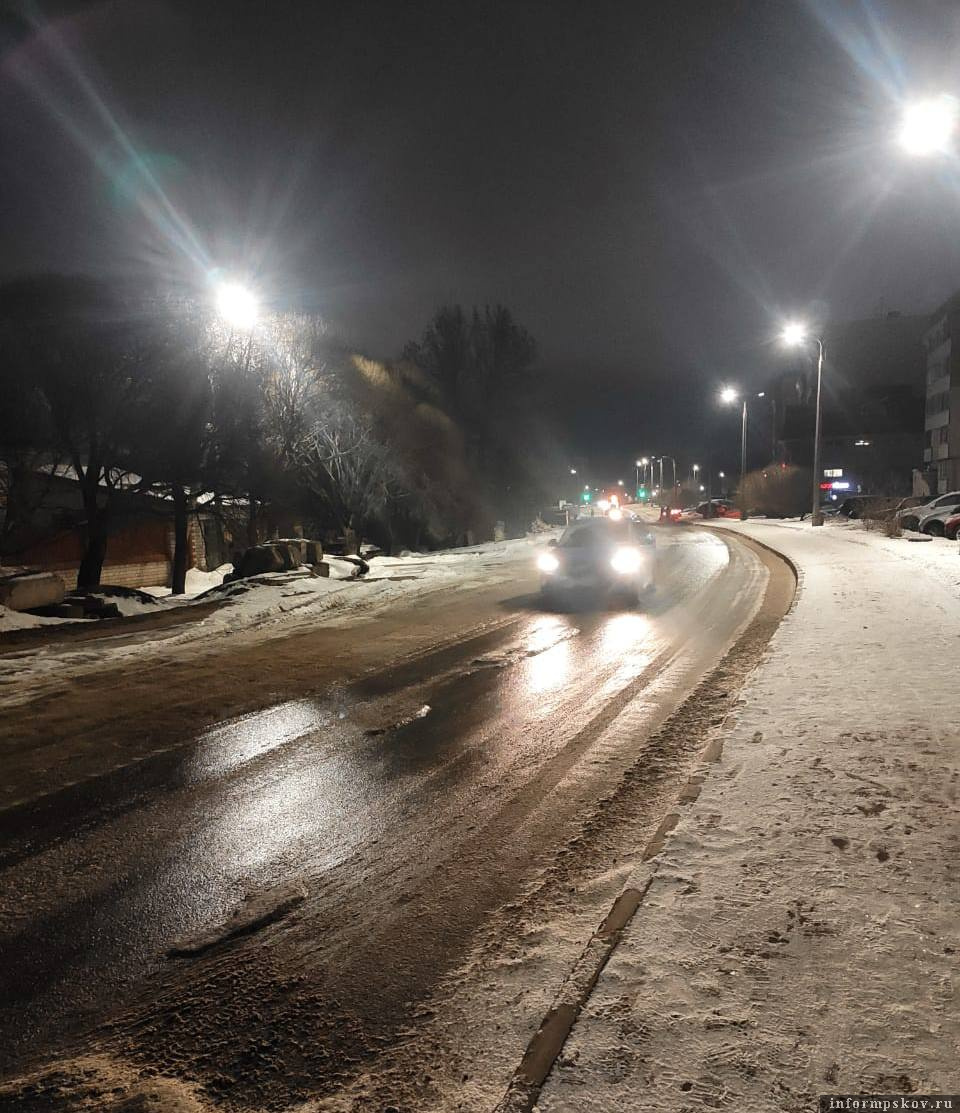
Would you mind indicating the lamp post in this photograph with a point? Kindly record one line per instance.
(673, 488)
(728, 396)
(646, 471)
(795, 334)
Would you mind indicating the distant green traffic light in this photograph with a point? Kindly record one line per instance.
(586, 496)
(641, 492)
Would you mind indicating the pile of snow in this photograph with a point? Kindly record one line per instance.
(197, 582)
(20, 620)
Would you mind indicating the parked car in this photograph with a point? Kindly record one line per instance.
(951, 527)
(910, 518)
(866, 506)
(598, 556)
(935, 523)
(718, 508)
(908, 503)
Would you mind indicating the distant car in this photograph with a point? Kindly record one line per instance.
(910, 518)
(853, 506)
(598, 556)
(878, 507)
(718, 508)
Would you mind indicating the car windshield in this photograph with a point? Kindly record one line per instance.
(586, 535)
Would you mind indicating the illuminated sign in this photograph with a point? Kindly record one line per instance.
(833, 473)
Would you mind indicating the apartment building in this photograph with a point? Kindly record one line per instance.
(941, 454)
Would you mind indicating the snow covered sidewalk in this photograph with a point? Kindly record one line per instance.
(800, 933)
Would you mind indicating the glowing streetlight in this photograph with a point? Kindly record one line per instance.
(728, 396)
(794, 334)
(237, 305)
(573, 471)
(927, 127)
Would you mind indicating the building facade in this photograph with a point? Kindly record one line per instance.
(941, 454)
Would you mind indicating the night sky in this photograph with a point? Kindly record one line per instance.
(650, 186)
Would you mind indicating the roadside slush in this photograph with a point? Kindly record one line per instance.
(798, 932)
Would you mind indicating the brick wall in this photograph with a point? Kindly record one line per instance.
(155, 573)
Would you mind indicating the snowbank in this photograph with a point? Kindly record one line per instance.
(197, 582)
(18, 620)
(800, 933)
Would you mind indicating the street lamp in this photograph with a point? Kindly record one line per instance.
(662, 487)
(927, 127)
(795, 334)
(237, 305)
(728, 396)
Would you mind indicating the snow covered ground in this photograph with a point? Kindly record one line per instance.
(259, 608)
(801, 930)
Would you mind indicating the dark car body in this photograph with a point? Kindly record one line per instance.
(718, 508)
(867, 506)
(598, 556)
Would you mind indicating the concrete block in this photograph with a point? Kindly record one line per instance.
(33, 589)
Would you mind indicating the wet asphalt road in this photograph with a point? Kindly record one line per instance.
(425, 784)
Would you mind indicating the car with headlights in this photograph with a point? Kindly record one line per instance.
(599, 557)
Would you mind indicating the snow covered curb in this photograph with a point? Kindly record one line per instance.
(799, 935)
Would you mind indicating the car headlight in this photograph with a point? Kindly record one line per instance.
(547, 562)
(625, 561)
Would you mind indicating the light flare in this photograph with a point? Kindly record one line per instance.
(928, 127)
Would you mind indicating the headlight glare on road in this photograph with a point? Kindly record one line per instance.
(625, 561)
(547, 562)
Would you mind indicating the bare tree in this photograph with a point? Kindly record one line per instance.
(73, 337)
(349, 472)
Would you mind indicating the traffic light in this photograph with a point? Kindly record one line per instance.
(641, 493)
(586, 496)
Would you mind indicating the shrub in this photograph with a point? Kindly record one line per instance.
(778, 490)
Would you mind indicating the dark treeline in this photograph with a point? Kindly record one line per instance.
(132, 390)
